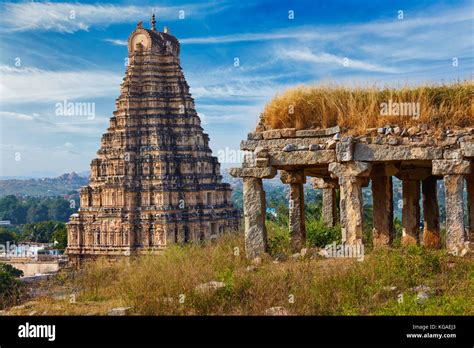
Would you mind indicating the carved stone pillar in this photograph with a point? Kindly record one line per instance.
(455, 234)
(382, 195)
(411, 212)
(328, 186)
(453, 172)
(297, 230)
(351, 176)
(431, 238)
(254, 217)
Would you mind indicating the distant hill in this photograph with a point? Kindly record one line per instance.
(65, 184)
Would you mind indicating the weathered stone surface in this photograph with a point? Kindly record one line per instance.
(251, 145)
(329, 207)
(467, 149)
(344, 149)
(288, 132)
(262, 162)
(323, 183)
(254, 217)
(302, 158)
(296, 217)
(271, 134)
(292, 177)
(289, 148)
(452, 154)
(382, 195)
(410, 212)
(350, 176)
(318, 132)
(443, 167)
(373, 152)
(455, 234)
(266, 173)
(350, 169)
(255, 136)
(431, 237)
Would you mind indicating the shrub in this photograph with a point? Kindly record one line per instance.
(359, 108)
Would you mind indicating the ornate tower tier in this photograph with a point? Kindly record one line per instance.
(154, 181)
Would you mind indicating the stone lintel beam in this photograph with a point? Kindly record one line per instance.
(262, 173)
(411, 212)
(296, 217)
(414, 173)
(382, 153)
(293, 177)
(455, 233)
(382, 195)
(431, 238)
(351, 204)
(254, 217)
(446, 167)
(302, 158)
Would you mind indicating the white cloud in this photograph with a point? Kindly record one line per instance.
(117, 42)
(71, 17)
(15, 116)
(37, 85)
(305, 55)
(298, 34)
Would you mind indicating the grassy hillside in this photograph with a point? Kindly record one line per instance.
(360, 108)
(169, 284)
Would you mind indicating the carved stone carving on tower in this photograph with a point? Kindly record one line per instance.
(154, 181)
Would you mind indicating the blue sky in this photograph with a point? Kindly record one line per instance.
(49, 54)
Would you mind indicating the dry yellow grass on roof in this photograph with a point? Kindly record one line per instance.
(357, 109)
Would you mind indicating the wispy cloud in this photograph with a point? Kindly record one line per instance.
(305, 55)
(22, 85)
(71, 17)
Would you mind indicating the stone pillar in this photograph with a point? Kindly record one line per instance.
(470, 205)
(453, 172)
(411, 212)
(455, 233)
(254, 217)
(431, 238)
(329, 207)
(382, 196)
(351, 176)
(296, 179)
(329, 212)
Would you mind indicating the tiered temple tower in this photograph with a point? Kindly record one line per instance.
(154, 181)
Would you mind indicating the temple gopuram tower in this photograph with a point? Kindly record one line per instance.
(154, 181)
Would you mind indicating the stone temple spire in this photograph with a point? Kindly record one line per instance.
(154, 181)
(153, 22)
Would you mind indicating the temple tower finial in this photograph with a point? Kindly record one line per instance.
(153, 21)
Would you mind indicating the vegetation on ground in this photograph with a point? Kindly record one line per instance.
(386, 282)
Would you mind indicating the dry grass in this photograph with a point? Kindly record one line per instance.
(360, 108)
(154, 285)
